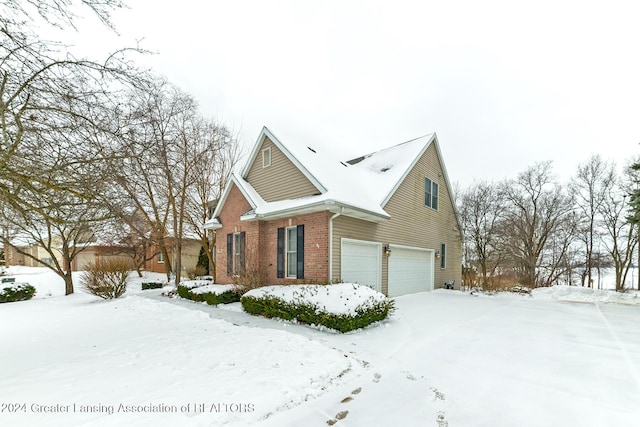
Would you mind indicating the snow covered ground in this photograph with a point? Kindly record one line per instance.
(561, 357)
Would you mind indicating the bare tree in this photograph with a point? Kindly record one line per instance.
(55, 12)
(482, 209)
(591, 185)
(55, 117)
(167, 149)
(539, 208)
(219, 154)
(58, 218)
(621, 235)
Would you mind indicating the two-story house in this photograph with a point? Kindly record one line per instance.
(297, 213)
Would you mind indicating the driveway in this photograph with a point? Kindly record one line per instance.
(452, 359)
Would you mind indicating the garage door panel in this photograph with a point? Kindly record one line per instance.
(361, 262)
(410, 271)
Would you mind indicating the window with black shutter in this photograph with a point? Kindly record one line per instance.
(290, 252)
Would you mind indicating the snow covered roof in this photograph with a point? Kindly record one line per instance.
(360, 187)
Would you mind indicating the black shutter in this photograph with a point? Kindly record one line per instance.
(300, 254)
(280, 257)
(241, 250)
(229, 254)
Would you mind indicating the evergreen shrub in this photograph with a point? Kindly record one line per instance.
(152, 285)
(209, 297)
(273, 307)
(17, 292)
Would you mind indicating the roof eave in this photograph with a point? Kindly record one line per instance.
(212, 226)
(325, 205)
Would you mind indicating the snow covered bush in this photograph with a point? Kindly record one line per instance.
(343, 307)
(17, 292)
(152, 285)
(107, 278)
(204, 291)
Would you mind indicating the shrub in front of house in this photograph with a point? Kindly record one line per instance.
(152, 285)
(204, 291)
(343, 307)
(17, 292)
(107, 278)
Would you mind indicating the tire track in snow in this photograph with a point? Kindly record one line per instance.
(614, 334)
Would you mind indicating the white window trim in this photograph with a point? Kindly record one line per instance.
(266, 155)
(430, 205)
(286, 253)
(160, 258)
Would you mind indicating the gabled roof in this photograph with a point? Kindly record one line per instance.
(360, 187)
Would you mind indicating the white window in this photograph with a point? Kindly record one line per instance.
(160, 258)
(430, 194)
(237, 253)
(292, 252)
(266, 157)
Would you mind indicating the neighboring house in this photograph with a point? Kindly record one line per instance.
(297, 213)
(97, 252)
(13, 257)
(91, 252)
(190, 251)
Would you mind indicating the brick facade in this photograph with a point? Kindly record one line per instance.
(261, 242)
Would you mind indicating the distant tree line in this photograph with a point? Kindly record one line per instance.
(534, 231)
(98, 149)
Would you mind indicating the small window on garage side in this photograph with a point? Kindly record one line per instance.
(443, 255)
(266, 157)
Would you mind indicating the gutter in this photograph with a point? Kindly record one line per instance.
(334, 216)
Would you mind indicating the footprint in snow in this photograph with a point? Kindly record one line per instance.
(376, 377)
(440, 419)
(437, 394)
(339, 416)
(353, 393)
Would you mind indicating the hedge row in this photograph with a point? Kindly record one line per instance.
(17, 292)
(152, 285)
(269, 306)
(209, 297)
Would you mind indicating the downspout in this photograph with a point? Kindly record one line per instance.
(334, 216)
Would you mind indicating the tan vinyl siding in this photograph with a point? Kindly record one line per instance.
(281, 180)
(411, 223)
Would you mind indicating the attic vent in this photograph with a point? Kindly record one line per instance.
(311, 149)
(386, 168)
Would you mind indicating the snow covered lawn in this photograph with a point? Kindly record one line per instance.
(138, 361)
(445, 358)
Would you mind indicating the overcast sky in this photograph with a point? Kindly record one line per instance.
(503, 83)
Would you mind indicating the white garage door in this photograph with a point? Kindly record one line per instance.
(361, 262)
(410, 270)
